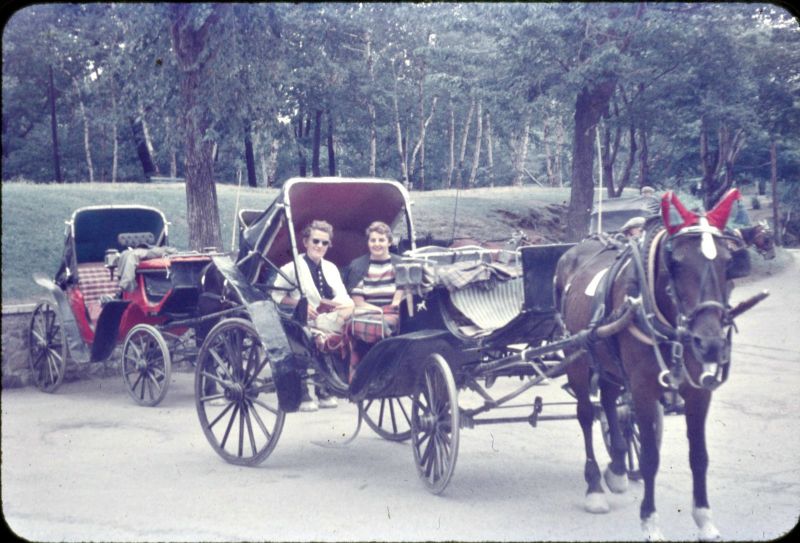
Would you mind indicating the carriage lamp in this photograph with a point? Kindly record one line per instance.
(111, 261)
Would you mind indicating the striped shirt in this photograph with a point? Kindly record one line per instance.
(378, 286)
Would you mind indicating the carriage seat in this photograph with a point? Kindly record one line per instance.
(96, 282)
(136, 239)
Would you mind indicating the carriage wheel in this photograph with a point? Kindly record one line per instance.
(47, 343)
(435, 424)
(146, 365)
(235, 395)
(630, 433)
(390, 418)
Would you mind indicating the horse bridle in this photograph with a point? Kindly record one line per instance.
(679, 334)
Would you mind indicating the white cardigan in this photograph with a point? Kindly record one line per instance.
(331, 274)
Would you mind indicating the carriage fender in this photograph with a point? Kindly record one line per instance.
(107, 330)
(77, 348)
(392, 366)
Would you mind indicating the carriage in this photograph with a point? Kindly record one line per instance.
(119, 282)
(471, 316)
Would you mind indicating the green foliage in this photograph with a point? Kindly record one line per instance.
(735, 66)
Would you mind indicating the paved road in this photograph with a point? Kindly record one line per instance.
(86, 464)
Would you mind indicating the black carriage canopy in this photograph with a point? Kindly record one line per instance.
(617, 211)
(349, 205)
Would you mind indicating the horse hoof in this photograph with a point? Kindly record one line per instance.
(596, 503)
(651, 530)
(702, 517)
(616, 483)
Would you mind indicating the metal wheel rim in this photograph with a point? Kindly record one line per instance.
(146, 365)
(630, 433)
(47, 347)
(232, 370)
(435, 424)
(390, 418)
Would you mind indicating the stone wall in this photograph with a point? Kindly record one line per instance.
(15, 366)
(15, 346)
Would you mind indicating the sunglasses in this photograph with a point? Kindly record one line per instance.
(323, 242)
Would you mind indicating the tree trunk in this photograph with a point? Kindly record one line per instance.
(560, 136)
(452, 137)
(148, 168)
(189, 42)
(331, 149)
(148, 141)
(315, 144)
(249, 156)
(272, 161)
(644, 160)
(114, 136)
(519, 147)
(489, 146)
(549, 158)
(476, 156)
(776, 217)
(590, 104)
(87, 149)
(301, 150)
(423, 129)
(399, 133)
(463, 152)
(373, 117)
(54, 129)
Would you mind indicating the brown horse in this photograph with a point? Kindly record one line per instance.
(680, 338)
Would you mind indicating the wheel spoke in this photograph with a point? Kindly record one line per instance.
(241, 430)
(222, 414)
(269, 408)
(230, 425)
(259, 421)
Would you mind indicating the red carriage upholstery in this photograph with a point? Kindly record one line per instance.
(94, 282)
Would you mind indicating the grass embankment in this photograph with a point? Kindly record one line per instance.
(34, 214)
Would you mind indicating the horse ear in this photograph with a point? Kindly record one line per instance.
(669, 202)
(718, 216)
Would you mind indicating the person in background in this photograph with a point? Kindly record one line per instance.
(370, 280)
(329, 305)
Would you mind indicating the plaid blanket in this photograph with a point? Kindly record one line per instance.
(365, 329)
(461, 274)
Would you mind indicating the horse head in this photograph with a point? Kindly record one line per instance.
(762, 238)
(690, 285)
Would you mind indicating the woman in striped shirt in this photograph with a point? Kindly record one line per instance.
(370, 279)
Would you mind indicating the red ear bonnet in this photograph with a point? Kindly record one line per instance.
(687, 217)
(718, 216)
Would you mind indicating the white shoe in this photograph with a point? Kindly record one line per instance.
(327, 403)
(308, 406)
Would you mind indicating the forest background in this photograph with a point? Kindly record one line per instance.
(698, 96)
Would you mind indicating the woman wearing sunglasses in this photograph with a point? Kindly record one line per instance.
(329, 305)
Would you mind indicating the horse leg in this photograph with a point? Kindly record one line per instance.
(647, 417)
(697, 403)
(616, 474)
(595, 501)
